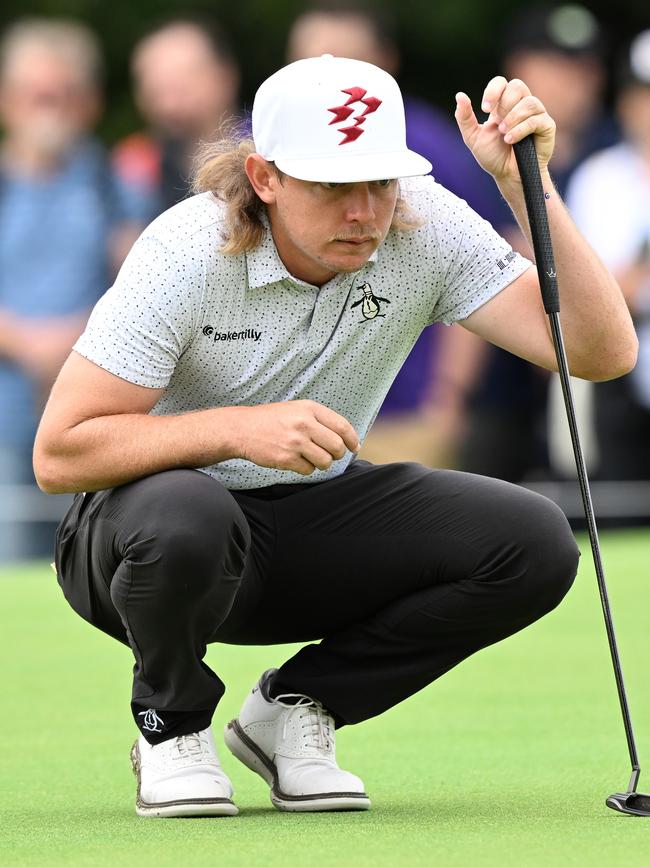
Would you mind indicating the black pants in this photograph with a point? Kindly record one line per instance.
(402, 572)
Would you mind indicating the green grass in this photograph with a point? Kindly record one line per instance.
(505, 761)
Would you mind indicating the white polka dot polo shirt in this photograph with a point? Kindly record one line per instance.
(215, 330)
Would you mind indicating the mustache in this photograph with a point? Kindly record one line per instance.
(370, 235)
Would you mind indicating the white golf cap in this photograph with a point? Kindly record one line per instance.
(334, 119)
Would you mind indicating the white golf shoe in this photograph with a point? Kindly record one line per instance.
(291, 746)
(181, 777)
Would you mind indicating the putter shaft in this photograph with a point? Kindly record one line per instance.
(526, 156)
(585, 492)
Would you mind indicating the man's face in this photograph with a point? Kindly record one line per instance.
(182, 89)
(44, 104)
(321, 229)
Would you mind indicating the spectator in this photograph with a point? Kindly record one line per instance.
(61, 224)
(609, 196)
(186, 83)
(364, 32)
(558, 52)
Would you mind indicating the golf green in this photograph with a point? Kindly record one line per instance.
(505, 761)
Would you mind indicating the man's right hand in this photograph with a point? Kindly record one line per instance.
(98, 431)
(298, 435)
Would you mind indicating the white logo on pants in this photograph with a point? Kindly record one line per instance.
(151, 720)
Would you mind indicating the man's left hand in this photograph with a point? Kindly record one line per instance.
(513, 114)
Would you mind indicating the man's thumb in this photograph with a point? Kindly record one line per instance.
(465, 117)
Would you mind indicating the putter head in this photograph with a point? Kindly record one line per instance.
(632, 803)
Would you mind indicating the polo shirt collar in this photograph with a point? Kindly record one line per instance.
(265, 266)
(263, 263)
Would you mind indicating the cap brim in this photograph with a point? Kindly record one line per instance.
(346, 169)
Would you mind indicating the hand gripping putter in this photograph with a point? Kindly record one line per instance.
(631, 802)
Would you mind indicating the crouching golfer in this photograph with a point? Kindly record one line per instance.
(212, 412)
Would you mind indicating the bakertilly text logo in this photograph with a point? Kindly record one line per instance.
(246, 334)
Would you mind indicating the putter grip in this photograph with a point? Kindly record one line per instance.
(531, 180)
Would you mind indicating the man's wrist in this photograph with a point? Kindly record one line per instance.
(230, 422)
(511, 187)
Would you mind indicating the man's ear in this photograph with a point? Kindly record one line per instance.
(263, 177)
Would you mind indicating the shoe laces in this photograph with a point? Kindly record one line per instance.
(193, 748)
(316, 724)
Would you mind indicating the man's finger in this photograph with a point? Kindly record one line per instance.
(521, 130)
(300, 465)
(465, 117)
(514, 92)
(493, 92)
(317, 456)
(339, 425)
(327, 439)
(527, 107)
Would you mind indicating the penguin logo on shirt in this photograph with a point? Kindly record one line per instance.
(370, 304)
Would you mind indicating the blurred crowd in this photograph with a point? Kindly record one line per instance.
(70, 208)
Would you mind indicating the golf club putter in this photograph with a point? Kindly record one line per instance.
(631, 802)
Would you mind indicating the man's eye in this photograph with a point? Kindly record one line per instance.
(386, 182)
(331, 185)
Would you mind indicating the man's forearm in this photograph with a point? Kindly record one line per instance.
(112, 450)
(595, 319)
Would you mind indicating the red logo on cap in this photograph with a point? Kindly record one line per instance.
(343, 112)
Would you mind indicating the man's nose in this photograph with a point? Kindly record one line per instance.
(360, 204)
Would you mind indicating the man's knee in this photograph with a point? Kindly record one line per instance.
(551, 555)
(189, 528)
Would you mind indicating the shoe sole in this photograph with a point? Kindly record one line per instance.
(247, 751)
(181, 808)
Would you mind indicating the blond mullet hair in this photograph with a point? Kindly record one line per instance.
(219, 169)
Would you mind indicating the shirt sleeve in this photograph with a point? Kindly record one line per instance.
(475, 262)
(140, 327)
